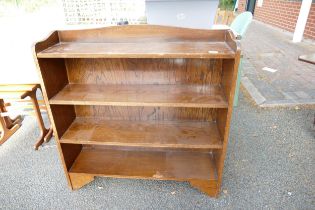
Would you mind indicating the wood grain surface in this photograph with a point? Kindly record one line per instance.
(152, 102)
(142, 95)
(134, 113)
(141, 34)
(139, 50)
(145, 134)
(144, 71)
(164, 165)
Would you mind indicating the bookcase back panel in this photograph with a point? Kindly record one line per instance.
(144, 71)
(142, 34)
(146, 113)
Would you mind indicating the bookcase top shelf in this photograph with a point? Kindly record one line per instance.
(139, 50)
(140, 41)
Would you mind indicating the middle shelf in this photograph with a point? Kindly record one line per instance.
(163, 134)
(200, 96)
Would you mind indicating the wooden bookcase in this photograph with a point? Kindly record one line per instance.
(148, 102)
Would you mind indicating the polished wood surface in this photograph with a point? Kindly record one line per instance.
(53, 76)
(145, 134)
(141, 34)
(122, 71)
(133, 113)
(147, 164)
(143, 101)
(142, 95)
(139, 50)
(132, 42)
(310, 58)
(224, 116)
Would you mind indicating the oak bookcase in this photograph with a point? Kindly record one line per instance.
(142, 102)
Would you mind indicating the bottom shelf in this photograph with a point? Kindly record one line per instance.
(145, 164)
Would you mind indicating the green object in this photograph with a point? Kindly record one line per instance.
(226, 4)
(241, 23)
(238, 82)
(239, 26)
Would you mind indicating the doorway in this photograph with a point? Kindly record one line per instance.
(250, 6)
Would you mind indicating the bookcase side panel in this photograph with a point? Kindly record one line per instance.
(63, 117)
(70, 153)
(53, 77)
(229, 77)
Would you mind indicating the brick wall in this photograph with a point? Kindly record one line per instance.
(282, 14)
(241, 5)
(310, 25)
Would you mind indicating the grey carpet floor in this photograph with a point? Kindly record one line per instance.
(269, 165)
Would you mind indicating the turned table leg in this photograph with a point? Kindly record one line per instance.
(50, 132)
(45, 134)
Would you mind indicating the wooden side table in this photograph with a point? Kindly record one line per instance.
(19, 92)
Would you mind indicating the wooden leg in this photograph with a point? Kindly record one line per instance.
(79, 180)
(48, 135)
(11, 122)
(50, 132)
(8, 121)
(16, 120)
(45, 134)
(5, 132)
(206, 186)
